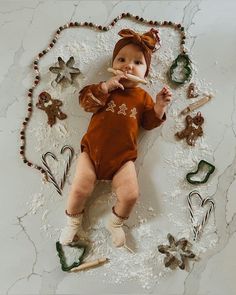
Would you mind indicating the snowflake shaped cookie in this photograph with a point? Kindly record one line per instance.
(177, 252)
(65, 70)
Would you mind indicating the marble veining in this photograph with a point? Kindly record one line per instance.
(32, 212)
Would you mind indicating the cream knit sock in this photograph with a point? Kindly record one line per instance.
(114, 226)
(69, 232)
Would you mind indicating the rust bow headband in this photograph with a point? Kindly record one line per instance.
(149, 42)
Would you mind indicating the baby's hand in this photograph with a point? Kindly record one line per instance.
(114, 82)
(163, 99)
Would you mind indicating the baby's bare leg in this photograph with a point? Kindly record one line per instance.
(82, 185)
(125, 185)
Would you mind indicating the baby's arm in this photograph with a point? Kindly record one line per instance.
(163, 99)
(93, 97)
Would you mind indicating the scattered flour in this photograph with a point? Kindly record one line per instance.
(148, 229)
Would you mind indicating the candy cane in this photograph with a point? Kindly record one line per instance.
(197, 229)
(65, 147)
(190, 208)
(206, 217)
(49, 172)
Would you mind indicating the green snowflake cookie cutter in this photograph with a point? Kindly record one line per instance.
(187, 69)
(63, 260)
(201, 165)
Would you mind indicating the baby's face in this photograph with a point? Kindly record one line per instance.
(130, 59)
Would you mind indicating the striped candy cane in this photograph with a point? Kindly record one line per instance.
(49, 172)
(206, 217)
(197, 229)
(68, 164)
(190, 208)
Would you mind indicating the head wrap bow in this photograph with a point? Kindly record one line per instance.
(149, 42)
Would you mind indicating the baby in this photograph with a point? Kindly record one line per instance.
(109, 148)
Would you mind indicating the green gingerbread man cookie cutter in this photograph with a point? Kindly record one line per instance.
(201, 165)
(183, 61)
(61, 253)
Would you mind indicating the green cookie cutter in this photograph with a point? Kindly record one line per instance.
(187, 69)
(61, 254)
(201, 165)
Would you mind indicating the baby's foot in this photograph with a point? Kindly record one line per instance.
(114, 226)
(69, 233)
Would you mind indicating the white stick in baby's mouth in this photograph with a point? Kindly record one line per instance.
(129, 76)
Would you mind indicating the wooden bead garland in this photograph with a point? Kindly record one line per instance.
(51, 45)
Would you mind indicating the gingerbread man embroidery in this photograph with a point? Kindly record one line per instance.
(111, 106)
(133, 113)
(51, 107)
(192, 130)
(123, 109)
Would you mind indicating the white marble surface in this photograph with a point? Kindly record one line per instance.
(32, 212)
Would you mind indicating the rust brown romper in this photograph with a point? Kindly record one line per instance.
(111, 138)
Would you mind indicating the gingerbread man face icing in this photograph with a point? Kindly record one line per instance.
(192, 130)
(51, 107)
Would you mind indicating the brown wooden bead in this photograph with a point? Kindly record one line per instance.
(76, 24)
(60, 28)
(35, 62)
(100, 27)
(58, 32)
(71, 24)
(155, 23)
(26, 119)
(105, 29)
(113, 23)
(30, 109)
(21, 152)
(123, 14)
(24, 123)
(137, 17)
(178, 25)
(22, 147)
(90, 24)
(30, 104)
(30, 94)
(183, 42)
(86, 23)
(142, 19)
(151, 22)
(25, 161)
(22, 132)
(29, 164)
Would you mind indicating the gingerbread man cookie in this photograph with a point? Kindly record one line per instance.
(192, 130)
(51, 107)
